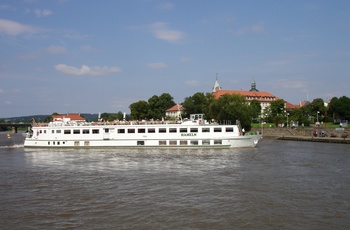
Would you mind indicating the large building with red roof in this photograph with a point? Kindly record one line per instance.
(265, 98)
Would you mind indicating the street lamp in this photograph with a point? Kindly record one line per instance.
(317, 116)
(287, 119)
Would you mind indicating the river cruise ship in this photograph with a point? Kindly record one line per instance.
(192, 133)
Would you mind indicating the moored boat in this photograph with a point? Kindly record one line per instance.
(192, 133)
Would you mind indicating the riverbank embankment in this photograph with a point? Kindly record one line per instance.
(319, 134)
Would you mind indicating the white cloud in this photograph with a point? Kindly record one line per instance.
(8, 102)
(258, 28)
(185, 60)
(160, 30)
(13, 28)
(192, 83)
(167, 6)
(86, 70)
(56, 49)
(157, 65)
(42, 13)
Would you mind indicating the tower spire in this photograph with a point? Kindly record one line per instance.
(217, 86)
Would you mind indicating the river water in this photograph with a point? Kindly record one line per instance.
(277, 185)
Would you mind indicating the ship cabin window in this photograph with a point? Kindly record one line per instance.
(106, 130)
(58, 131)
(183, 130)
(217, 129)
(205, 130)
(194, 142)
(67, 131)
(121, 130)
(229, 129)
(194, 130)
(172, 130)
(140, 143)
(40, 131)
(131, 130)
(52, 131)
(141, 130)
(217, 142)
(95, 131)
(45, 131)
(182, 142)
(162, 142)
(151, 130)
(172, 142)
(86, 131)
(205, 142)
(58, 143)
(162, 130)
(76, 131)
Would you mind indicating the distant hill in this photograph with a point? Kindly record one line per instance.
(41, 118)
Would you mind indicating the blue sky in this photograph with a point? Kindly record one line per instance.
(101, 56)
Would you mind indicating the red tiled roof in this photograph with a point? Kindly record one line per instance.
(260, 96)
(72, 116)
(175, 108)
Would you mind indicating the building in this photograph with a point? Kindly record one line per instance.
(70, 116)
(175, 111)
(265, 98)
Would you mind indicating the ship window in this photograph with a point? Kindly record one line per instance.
(141, 130)
(217, 130)
(76, 143)
(40, 131)
(53, 143)
(45, 131)
(229, 129)
(58, 143)
(194, 142)
(162, 142)
(205, 130)
(162, 130)
(140, 143)
(183, 142)
(217, 142)
(67, 131)
(151, 130)
(95, 131)
(52, 131)
(131, 130)
(183, 130)
(86, 131)
(76, 131)
(205, 142)
(194, 130)
(48, 143)
(106, 130)
(86, 143)
(121, 130)
(172, 130)
(172, 142)
(58, 131)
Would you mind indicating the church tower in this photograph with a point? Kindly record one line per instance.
(217, 86)
(253, 87)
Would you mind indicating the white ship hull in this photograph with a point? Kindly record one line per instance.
(191, 134)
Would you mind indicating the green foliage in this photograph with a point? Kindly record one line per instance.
(153, 109)
(198, 103)
(229, 108)
(256, 109)
(339, 108)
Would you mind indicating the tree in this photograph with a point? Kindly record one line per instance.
(231, 107)
(198, 103)
(256, 109)
(339, 108)
(139, 110)
(318, 109)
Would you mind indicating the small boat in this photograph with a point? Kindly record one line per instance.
(191, 133)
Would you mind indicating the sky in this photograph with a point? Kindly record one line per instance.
(85, 56)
